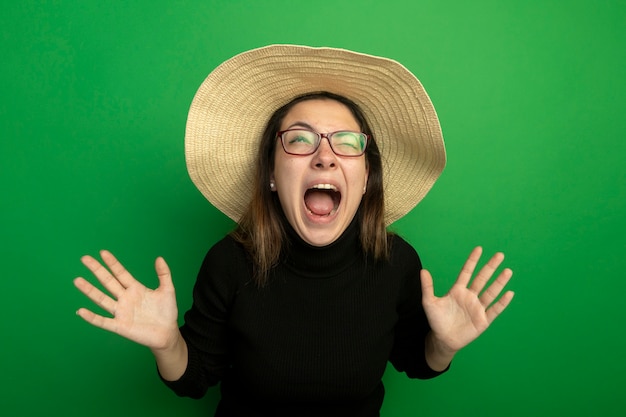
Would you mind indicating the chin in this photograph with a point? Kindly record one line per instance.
(319, 242)
(321, 235)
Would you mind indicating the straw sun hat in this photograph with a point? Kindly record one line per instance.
(232, 106)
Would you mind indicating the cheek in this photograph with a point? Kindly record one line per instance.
(361, 174)
(286, 174)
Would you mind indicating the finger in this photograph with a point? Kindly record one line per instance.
(97, 320)
(486, 272)
(468, 268)
(103, 275)
(428, 289)
(121, 274)
(497, 308)
(493, 291)
(94, 294)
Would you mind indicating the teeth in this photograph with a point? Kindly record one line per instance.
(325, 187)
(333, 211)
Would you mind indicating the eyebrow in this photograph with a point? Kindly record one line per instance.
(300, 124)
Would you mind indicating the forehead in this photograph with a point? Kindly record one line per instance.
(320, 114)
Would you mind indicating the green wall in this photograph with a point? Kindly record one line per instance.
(94, 97)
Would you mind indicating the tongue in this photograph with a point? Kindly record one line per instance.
(319, 202)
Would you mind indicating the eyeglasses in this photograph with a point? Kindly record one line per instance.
(306, 142)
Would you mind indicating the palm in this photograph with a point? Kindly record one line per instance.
(145, 316)
(467, 310)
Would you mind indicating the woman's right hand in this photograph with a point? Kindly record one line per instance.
(145, 316)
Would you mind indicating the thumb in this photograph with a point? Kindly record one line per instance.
(428, 289)
(163, 272)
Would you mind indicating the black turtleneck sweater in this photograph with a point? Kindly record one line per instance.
(316, 340)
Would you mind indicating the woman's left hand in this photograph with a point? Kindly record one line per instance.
(468, 309)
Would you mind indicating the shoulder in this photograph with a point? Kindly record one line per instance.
(225, 251)
(225, 267)
(403, 253)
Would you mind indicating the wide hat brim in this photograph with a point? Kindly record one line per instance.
(232, 106)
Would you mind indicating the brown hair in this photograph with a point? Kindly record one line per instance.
(260, 228)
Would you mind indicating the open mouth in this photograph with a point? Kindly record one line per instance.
(322, 200)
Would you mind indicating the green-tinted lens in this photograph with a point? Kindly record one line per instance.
(348, 143)
(299, 141)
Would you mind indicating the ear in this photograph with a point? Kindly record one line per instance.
(272, 183)
(367, 175)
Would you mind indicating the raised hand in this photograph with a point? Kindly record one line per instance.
(148, 317)
(468, 309)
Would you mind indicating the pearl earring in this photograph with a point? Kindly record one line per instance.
(272, 185)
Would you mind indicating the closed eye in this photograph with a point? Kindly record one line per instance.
(348, 139)
(300, 139)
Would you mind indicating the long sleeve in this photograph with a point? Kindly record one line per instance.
(408, 353)
(206, 323)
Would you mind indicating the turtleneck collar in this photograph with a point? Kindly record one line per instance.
(322, 261)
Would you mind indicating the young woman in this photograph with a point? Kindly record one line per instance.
(314, 151)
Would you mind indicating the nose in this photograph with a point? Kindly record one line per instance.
(324, 157)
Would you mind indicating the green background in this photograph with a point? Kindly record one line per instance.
(531, 99)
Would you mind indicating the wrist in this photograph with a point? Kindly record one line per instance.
(438, 353)
(172, 359)
(171, 345)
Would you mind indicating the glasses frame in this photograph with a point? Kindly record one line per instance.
(281, 135)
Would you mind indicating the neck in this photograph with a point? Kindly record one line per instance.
(322, 261)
